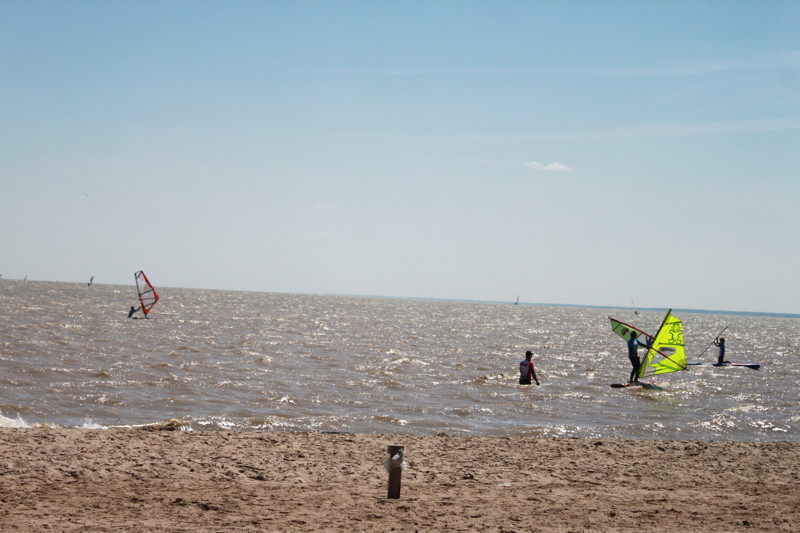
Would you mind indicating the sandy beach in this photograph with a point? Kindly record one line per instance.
(160, 479)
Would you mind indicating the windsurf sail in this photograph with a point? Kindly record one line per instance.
(91, 280)
(147, 293)
(667, 354)
(626, 330)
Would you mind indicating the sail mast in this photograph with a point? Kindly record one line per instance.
(648, 357)
(668, 345)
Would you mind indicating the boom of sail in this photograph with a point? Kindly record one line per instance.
(147, 293)
(625, 330)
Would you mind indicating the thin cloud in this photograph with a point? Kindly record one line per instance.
(641, 131)
(688, 128)
(555, 166)
(780, 60)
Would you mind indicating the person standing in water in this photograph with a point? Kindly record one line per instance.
(720, 343)
(633, 355)
(526, 370)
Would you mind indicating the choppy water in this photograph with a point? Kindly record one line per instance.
(257, 361)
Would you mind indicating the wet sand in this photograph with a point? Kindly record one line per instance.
(160, 479)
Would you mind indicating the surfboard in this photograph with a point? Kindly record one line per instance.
(754, 366)
(645, 386)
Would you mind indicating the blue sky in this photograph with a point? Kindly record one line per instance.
(569, 152)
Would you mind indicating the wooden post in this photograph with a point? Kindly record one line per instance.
(395, 470)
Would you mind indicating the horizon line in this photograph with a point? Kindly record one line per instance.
(450, 299)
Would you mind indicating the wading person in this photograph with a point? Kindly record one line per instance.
(526, 370)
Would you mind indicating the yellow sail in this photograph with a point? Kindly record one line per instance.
(667, 354)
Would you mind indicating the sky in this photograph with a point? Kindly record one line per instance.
(569, 152)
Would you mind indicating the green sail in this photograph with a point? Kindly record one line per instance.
(625, 330)
(668, 353)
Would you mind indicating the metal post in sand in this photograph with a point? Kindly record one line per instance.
(395, 467)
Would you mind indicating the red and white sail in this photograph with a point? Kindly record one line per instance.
(147, 293)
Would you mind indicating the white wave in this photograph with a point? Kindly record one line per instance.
(90, 424)
(13, 423)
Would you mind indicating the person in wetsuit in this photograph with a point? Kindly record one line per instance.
(720, 343)
(633, 355)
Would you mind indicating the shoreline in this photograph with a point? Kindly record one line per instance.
(158, 479)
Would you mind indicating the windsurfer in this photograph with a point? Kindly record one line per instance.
(633, 355)
(133, 311)
(526, 370)
(720, 343)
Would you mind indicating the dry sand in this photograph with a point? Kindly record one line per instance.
(147, 480)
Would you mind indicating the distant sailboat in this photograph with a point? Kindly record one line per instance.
(517, 302)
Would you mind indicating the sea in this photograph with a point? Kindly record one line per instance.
(256, 361)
